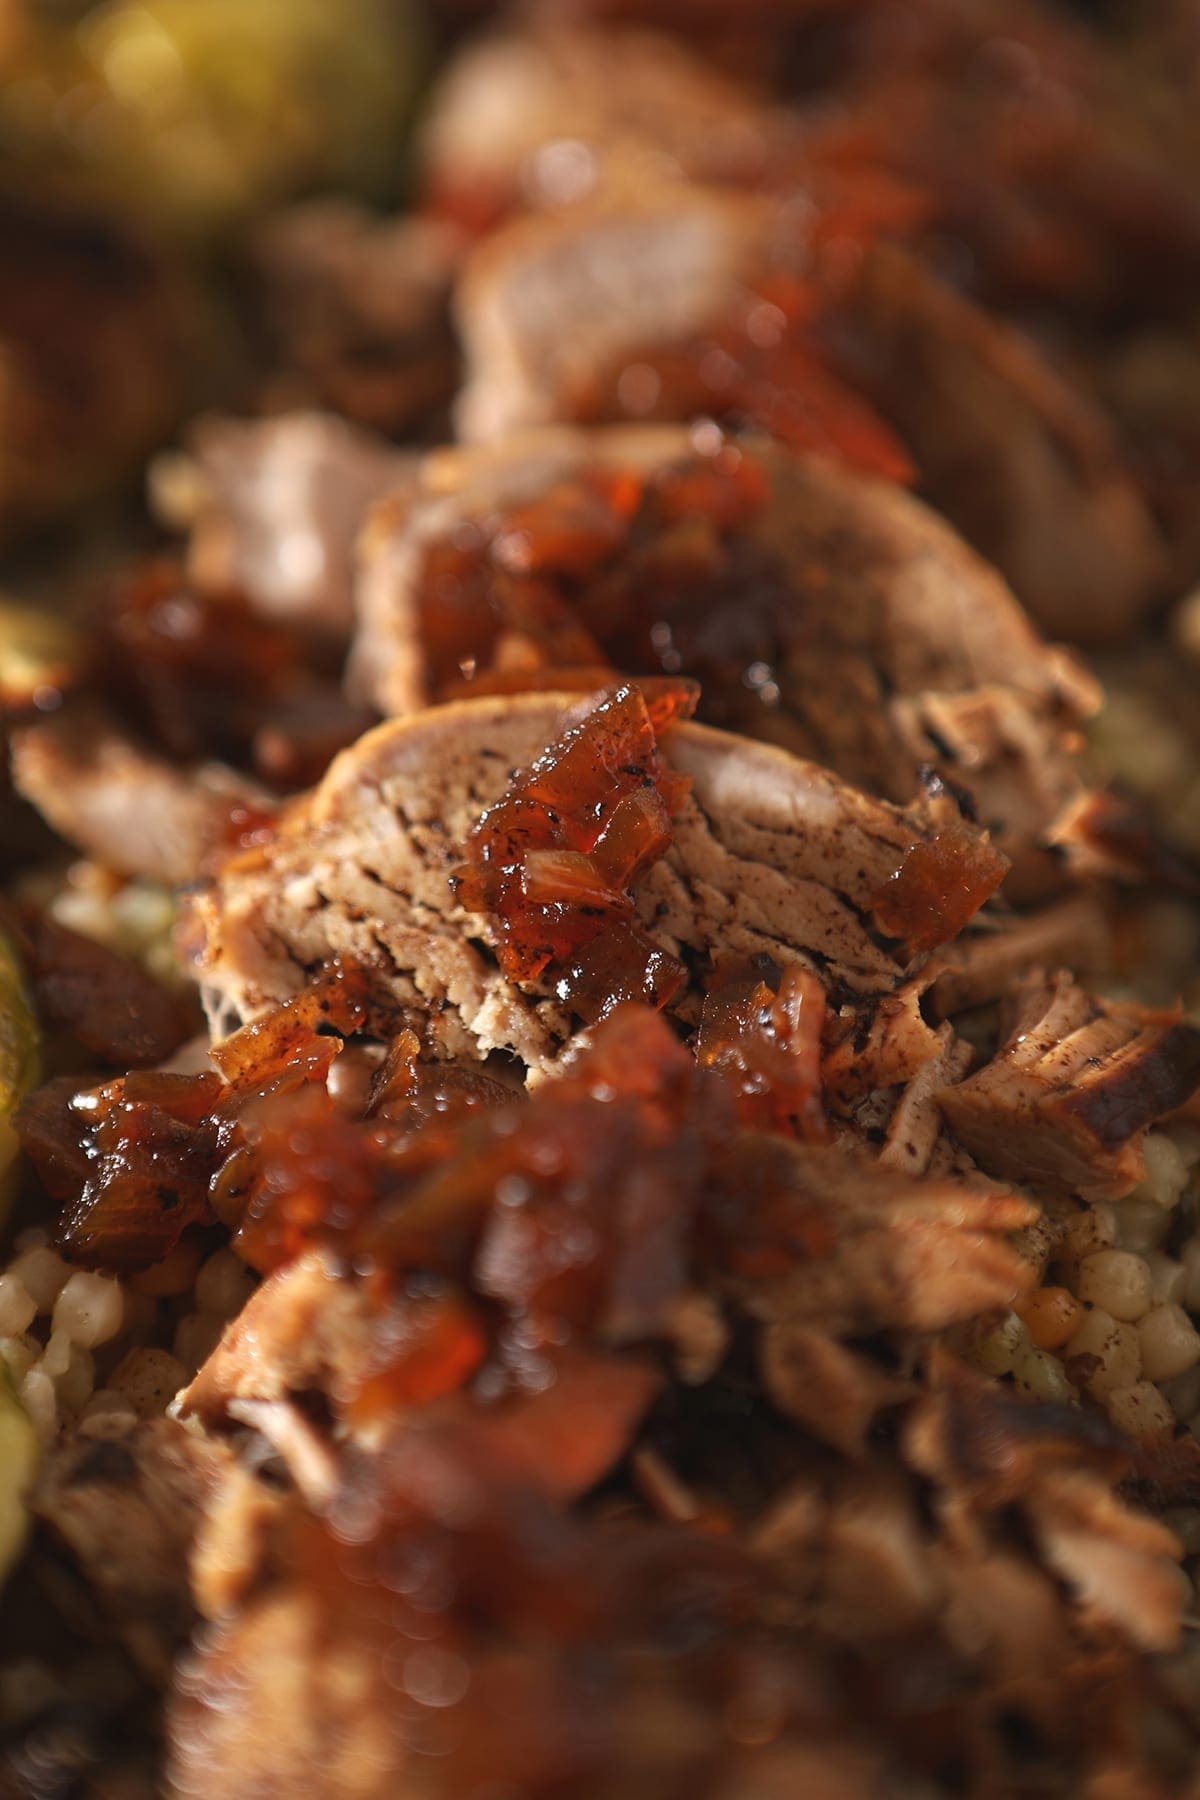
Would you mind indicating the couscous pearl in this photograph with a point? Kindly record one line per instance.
(1170, 1343)
(223, 1285)
(1166, 1171)
(149, 1378)
(1042, 1375)
(1141, 1225)
(196, 1337)
(18, 1308)
(999, 1349)
(1118, 1281)
(42, 1273)
(90, 1309)
(74, 1387)
(56, 1358)
(1166, 1279)
(1113, 1344)
(1091, 1228)
(37, 1396)
(20, 1353)
(1139, 1409)
(1052, 1315)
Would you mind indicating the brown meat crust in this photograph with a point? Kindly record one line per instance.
(1024, 463)
(1064, 1103)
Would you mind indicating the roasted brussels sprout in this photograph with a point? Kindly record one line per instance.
(18, 1463)
(198, 112)
(20, 1059)
(40, 655)
(19, 1055)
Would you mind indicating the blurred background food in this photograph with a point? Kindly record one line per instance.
(193, 115)
(137, 143)
(260, 255)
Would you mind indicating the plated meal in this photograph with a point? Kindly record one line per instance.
(600, 928)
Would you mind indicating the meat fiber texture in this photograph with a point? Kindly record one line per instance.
(772, 855)
(896, 646)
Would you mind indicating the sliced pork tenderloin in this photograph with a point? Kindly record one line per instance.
(661, 288)
(124, 805)
(835, 614)
(1022, 460)
(544, 116)
(273, 509)
(1064, 1103)
(771, 855)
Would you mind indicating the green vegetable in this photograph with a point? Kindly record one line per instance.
(20, 1061)
(38, 650)
(20, 1069)
(200, 112)
(18, 1465)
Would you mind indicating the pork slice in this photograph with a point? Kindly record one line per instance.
(274, 506)
(894, 1253)
(1024, 462)
(1018, 759)
(916, 1123)
(301, 1332)
(988, 1451)
(1114, 1559)
(540, 117)
(1002, 1608)
(1065, 1101)
(273, 1697)
(771, 855)
(317, 1726)
(893, 646)
(125, 806)
(877, 1578)
(626, 274)
(125, 1500)
(878, 1043)
(940, 620)
(835, 1393)
(981, 965)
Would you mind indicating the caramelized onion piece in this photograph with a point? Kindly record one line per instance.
(202, 676)
(939, 886)
(763, 1031)
(760, 365)
(296, 1042)
(153, 1147)
(644, 572)
(140, 1160)
(569, 1208)
(552, 863)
